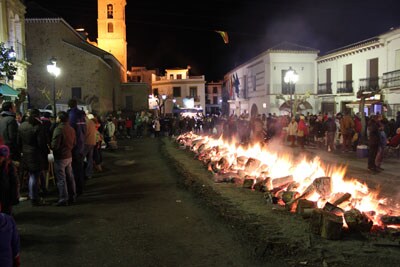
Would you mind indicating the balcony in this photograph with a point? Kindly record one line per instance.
(391, 79)
(19, 49)
(344, 87)
(324, 88)
(369, 84)
(195, 97)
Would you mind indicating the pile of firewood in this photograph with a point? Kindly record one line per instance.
(328, 221)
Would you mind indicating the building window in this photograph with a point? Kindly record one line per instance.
(76, 92)
(179, 76)
(171, 76)
(254, 83)
(155, 91)
(110, 11)
(177, 92)
(215, 100)
(215, 90)
(110, 27)
(193, 91)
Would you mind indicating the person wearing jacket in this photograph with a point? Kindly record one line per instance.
(9, 242)
(33, 144)
(9, 129)
(62, 144)
(373, 143)
(347, 131)
(77, 120)
(292, 131)
(9, 194)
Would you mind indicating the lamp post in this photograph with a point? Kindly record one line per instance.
(54, 71)
(164, 97)
(291, 78)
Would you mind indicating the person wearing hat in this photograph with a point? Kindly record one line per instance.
(33, 144)
(8, 181)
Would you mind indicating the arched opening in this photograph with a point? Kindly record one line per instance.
(254, 111)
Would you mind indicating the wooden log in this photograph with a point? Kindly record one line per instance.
(271, 198)
(241, 161)
(260, 184)
(277, 182)
(323, 186)
(252, 165)
(326, 224)
(248, 182)
(304, 204)
(293, 186)
(357, 221)
(329, 207)
(288, 196)
(390, 220)
(342, 199)
(332, 226)
(224, 177)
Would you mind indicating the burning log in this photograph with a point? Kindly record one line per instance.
(222, 164)
(271, 198)
(278, 182)
(390, 220)
(261, 184)
(305, 207)
(288, 196)
(248, 182)
(252, 164)
(224, 177)
(326, 224)
(241, 161)
(341, 199)
(329, 207)
(357, 221)
(323, 186)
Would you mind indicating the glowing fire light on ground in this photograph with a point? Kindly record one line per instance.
(278, 164)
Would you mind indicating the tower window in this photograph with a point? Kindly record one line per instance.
(110, 27)
(110, 11)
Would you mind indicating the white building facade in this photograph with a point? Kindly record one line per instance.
(372, 65)
(258, 87)
(180, 90)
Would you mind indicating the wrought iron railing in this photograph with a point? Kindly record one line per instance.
(391, 79)
(324, 88)
(19, 48)
(344, 87)
(370, 84)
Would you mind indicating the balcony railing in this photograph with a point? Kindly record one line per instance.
(324, 88)
(391, 79)
(345, 87)
(20, 51)
(370, 84)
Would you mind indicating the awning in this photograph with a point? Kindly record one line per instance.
(7, 90)
(369, 102)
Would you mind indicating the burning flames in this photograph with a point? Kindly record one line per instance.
(308, 179)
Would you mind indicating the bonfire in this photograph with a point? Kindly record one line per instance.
(306, 186)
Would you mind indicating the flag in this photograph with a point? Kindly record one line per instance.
(224, 36)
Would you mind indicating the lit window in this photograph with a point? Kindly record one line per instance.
(110, 27)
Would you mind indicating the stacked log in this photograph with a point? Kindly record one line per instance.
(357, 221)
(326, 224)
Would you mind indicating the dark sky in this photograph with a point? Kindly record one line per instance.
(165, 34)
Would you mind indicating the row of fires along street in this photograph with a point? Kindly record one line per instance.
(318, 192)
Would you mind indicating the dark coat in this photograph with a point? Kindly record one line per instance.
(32, 140)
(8, 186)
(63, 141)
(77, 120)
(9, 133)
(373, 130)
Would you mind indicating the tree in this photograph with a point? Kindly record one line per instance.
(7, 59)
(296, 101)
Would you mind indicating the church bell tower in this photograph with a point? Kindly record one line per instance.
(111, 29)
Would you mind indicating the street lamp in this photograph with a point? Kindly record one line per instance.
(291, 78)
(54, 71)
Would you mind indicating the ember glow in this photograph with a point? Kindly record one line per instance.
(306, 179)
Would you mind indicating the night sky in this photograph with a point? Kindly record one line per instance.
(162, 34)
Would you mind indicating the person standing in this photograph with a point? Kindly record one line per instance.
(9, 129)
(347, 130)
(292, 131)
(77, 120)
(90, 142)
(373, 143)
(9, 242)
(157, 127)
(302, 131)
(33, 143)
(382, 143)
(62, 144)
(330, 128)
(8, 182)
